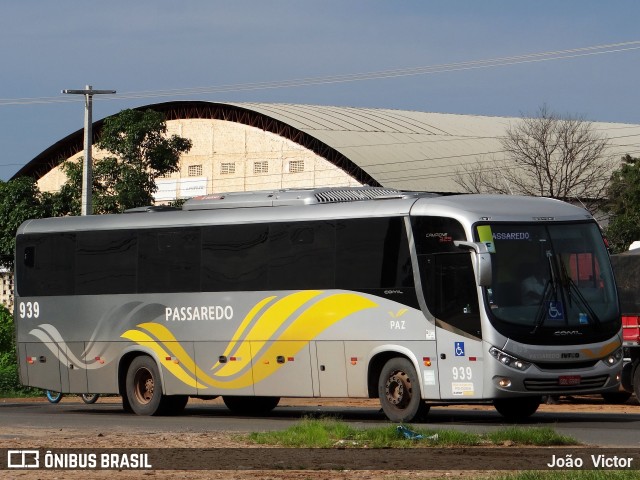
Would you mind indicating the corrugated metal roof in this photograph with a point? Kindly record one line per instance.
(401, 149)
(415, 150)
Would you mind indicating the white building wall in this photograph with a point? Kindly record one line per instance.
(225, 154)
(6, 292)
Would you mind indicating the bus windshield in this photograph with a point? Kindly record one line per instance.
(550, 280)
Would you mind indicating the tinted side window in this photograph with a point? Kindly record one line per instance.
(46, 264)
(448, 280)
(372, 253)
(302, 255)
(106, 262)
(450, 290)
(235, 257)
(436, 234)
(169, 260)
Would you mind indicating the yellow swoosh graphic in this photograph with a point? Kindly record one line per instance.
(307, 326)
(264, 329)
(247, 320)
(164, 335)
(602, 352)
(259, 348)
(142, 338)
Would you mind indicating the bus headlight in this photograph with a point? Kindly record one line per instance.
(509, 360)
(614, 358)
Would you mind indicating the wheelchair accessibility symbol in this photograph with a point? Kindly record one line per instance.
(555, 311)
(459, 349)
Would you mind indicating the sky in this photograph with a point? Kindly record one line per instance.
(159, 50)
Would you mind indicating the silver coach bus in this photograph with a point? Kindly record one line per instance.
(414, 298)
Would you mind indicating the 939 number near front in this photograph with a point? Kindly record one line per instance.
(462, 373)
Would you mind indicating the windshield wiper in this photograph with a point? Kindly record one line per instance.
(550, 288)
(541, 314)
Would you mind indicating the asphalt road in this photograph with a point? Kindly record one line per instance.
(593, 428)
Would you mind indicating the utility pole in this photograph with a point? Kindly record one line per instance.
(87, 178)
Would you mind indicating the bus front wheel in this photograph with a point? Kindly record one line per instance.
(516, 409)
(143, 386)
(399, 391)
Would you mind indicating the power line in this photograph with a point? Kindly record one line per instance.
(356, 77)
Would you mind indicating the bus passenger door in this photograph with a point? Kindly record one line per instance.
(43, 366)
(73, 371)
(284, 370)
(459, 366)
(452, 297)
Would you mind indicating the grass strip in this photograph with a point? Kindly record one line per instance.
(333, 433)
(577, 475)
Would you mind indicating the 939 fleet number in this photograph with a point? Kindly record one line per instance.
(29, 309)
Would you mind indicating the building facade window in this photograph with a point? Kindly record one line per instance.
(6, 298)
(227, 168)
(295, 166)
(194, 170)
(261, 167)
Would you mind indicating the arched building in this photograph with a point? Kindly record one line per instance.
(257, 146)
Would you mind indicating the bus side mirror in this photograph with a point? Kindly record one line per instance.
(482, 263)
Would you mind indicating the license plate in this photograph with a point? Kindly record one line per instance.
(566, 380)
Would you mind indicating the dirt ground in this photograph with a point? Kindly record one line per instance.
(15, 438)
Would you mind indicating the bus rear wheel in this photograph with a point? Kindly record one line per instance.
(90, 398)
(517, 409)
(144, 387)
(251, 405)
(399, 391)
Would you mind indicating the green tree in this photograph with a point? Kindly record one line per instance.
(9, 377)
(140, 152)
(20, 200)
(7, 342)
(9, 381)
(623, 204)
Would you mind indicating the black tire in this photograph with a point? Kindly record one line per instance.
(517, 409)
(616, 398)
(174, 404)
(399, 392)
(636, 381)
(126, 406)
(90, 398)
(252, 406)
(144, 387)
(626, 378)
